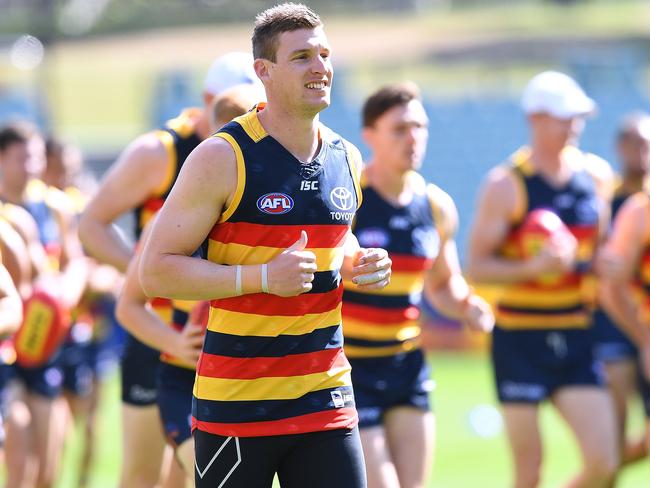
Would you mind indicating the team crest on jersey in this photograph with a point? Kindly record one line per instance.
(275, 203)
(373, 237)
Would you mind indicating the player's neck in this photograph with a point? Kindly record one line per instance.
(12, 195)
(633, 182)
(393, 186)
(298, 135)
(202, 126)
(550, 162)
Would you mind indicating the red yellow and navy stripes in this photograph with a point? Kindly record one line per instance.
(382, 323)
(555, 301)
(275, 365)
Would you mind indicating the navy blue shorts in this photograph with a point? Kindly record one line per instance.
(140, 365)
(175, 386)
(46, 381)
(610, 342)
(76, 367)
(6, 375)
(392, 381)
(530, 365)
(644, 391)
(107, 344)
(313, 460)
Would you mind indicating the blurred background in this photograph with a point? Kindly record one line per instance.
(99, 72)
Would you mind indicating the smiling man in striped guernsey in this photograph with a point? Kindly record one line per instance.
(274, 193)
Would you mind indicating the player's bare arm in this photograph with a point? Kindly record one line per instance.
(140, 170)
(204, 189)
(23, 223)
(626, 243)
(500, 203)
(139, 319)
(11, 306)
(75, 267)
(15, 258)
(445, 285)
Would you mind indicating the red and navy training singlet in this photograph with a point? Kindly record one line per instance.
(275, 365)
(385, 322)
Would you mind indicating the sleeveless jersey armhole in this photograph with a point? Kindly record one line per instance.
(440, 219)
(521, 194)
(355, 164)
(241, 176)
(167, 141)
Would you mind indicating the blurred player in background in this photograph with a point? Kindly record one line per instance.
(274, 193)
(140, 181)
(415, 222)
(58, 267)
(87, 355)
(12, 251)
(167, 325)
(542, 345)
(626, 292)
(612, 345)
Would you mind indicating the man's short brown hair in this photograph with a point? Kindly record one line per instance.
(387, 97)
(272, 22)
(15, 133)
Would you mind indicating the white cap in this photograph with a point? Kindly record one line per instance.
(234, 68)
(556, 94)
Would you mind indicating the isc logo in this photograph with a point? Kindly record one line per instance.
(275, 203)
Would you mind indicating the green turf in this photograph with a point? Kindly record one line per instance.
(463, 459)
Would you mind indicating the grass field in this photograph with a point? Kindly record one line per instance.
(463, 459)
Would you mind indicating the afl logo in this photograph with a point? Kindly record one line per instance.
(275, 203)
(341, 197)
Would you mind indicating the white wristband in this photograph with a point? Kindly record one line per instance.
(238, 290)
(265, 278)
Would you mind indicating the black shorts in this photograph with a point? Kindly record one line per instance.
(45, 381)
(313, 460)
(610, 342)
(383, 383)
(77, 371)
(175, 387)
(531, 365)
(140, 365)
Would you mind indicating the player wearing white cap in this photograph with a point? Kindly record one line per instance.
(140, 181)
(542, 345)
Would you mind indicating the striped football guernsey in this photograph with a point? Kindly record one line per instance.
(563, 301)
(275, 365)
(642, 281)
(385, 322)
(179, 139)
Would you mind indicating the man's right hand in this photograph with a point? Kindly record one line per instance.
(558, 256)
(189, 344)
(292, 272)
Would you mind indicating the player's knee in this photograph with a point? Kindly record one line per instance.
(528, 478)
(136, 475)
(602, 467)
(45, 479)
(528, 473)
